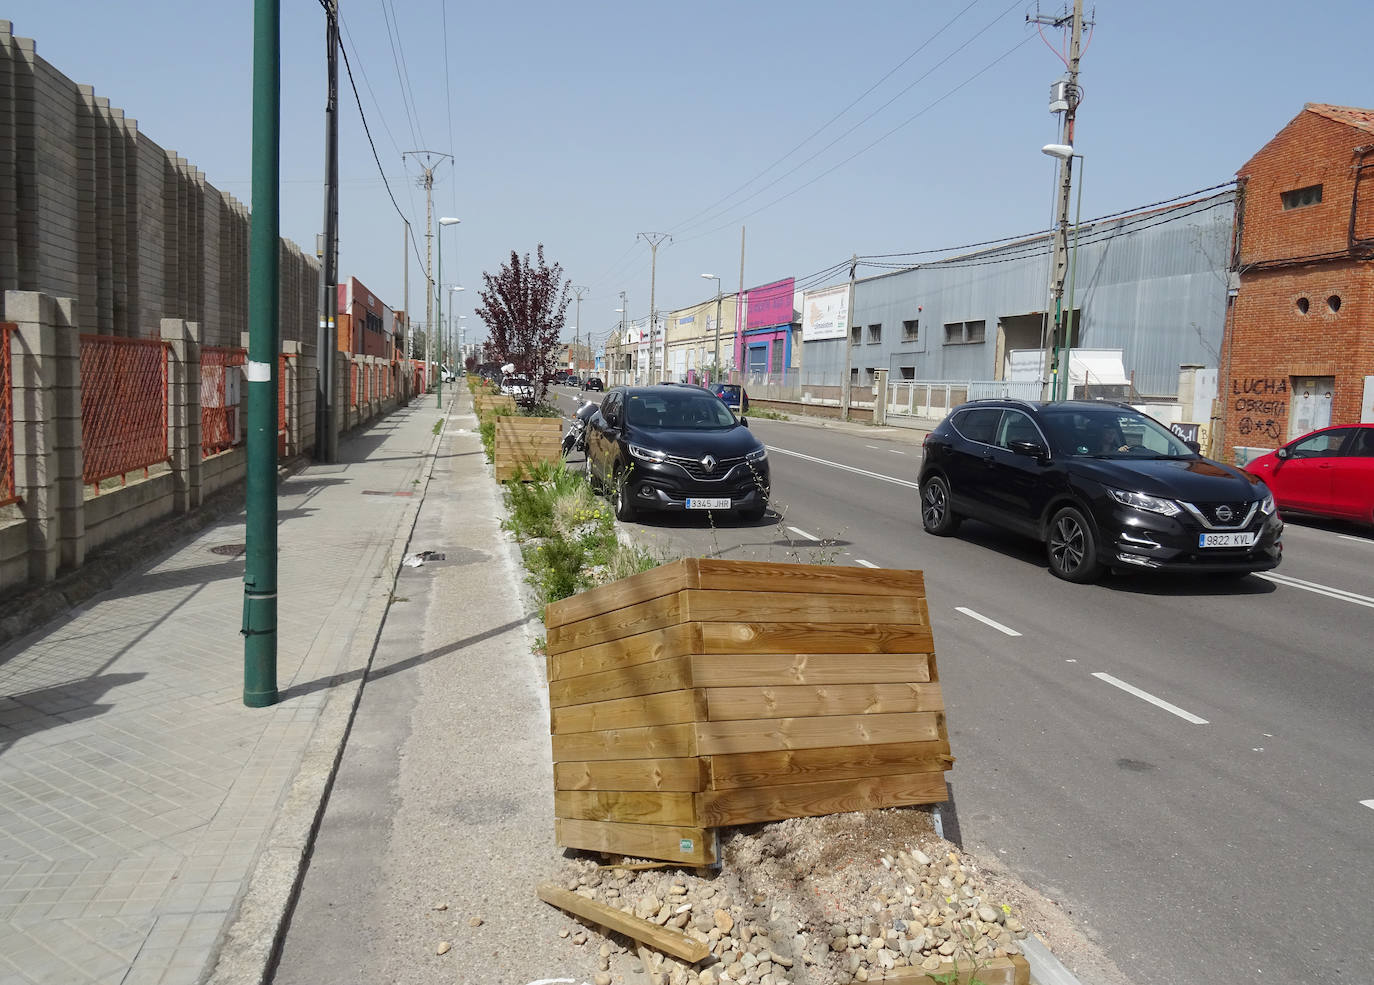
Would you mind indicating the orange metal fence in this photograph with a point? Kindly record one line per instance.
(123, 405)
(219, 406)
(7, 495)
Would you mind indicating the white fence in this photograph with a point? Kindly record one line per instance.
(933, 399)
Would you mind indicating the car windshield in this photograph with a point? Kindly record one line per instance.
(1110, 432)
(677, 410)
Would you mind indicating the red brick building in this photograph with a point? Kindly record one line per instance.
(365, 325)
(1301, 349)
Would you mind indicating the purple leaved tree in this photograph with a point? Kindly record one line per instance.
(525, 305)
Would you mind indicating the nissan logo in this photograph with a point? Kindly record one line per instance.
(709, 464)
(1224, 514)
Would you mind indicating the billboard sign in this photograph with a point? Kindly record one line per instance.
(770, 305)
(825, 314)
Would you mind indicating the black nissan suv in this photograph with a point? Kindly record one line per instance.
(671, 447)
(1101, 485)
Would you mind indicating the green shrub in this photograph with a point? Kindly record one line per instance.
(556, 569)
(487, 431)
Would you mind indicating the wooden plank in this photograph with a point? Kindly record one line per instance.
(1013, 970)
(672, 843)
(663, 708)
(810, 579)
(749, 805)
(687, 775)
(664, 939)
(810, 700)
(622, 682)
(653, 742)
(631, 620)
(666, 579)
(629, 806)
(713, 738)
(760, 769)
(781, 669)
(704, 606)
(754, 636)
(662, 644)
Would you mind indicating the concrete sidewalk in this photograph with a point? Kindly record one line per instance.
(143, 809)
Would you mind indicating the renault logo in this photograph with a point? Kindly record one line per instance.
(1224, 514)
(708, 464)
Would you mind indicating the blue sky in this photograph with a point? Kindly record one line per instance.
(580, 125)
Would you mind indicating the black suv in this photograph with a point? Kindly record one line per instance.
(670, 447)
(1101, 484)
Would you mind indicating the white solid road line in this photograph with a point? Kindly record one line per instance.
(802, 533)
(847, 468)
(1312, 586)
(1187, 716)
(896, 452)
(1368, 803)
(986, 621)
(866, 564)
(1358, 540)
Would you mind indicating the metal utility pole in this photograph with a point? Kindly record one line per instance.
(577, 326)
(326, 432)
(849, 341)
(740, 313)
(405, 256)
(264, 283)
(1061, 237)
(653, 240)
(427, 182)
(624, 320)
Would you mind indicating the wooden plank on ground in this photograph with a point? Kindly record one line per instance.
(757, 636)
(666, 579)
(629, 806)
(762, 735)
(703, 606)
(663, 708)
(654, 742)
(675, 641)
(664, 939)
(760, 769)
(687, 775)
(809, 700)
(649, 678)
(1014, 970)
(645, 617)
(782, 669)
(749, 805)
(720, 574)
(672, 843)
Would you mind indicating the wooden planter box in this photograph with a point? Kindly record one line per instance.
(521, 442)
(486, 403)
(707, 693)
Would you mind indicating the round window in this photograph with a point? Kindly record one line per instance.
(1334, 303)
(1302, 305)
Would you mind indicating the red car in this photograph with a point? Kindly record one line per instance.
(1326, 473)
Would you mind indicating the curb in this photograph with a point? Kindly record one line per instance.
(1046, 969)
(250, 946)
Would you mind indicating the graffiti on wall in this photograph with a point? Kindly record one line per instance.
(1261, 403)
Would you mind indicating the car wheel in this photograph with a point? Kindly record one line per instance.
(936, 515)
(1072, 548)
(624, 505)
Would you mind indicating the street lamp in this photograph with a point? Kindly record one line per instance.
(716, 368)
(1065, 153)
(439, 390)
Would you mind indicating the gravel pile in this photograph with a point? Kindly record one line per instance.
(809, 900)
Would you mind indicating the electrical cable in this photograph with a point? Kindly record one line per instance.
(400, 82)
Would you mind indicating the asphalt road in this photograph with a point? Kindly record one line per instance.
(1217, 820)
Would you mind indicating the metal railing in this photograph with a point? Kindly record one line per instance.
(123, 406)
(935, 398)
(219, 405)
(7, 491)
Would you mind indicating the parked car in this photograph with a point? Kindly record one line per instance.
(676, 448)
(1329, 472)
(560, 376)
(573, 380)
(1101, 484)
(518, 386)
(593, 383)
(734, 395)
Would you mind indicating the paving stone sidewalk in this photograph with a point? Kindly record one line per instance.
(137, 793)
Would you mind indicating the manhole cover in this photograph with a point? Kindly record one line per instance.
(229, 550)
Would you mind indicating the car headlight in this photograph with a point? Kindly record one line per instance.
(1267, 505)
(757, 456)
(648, 454)
(1149, 504)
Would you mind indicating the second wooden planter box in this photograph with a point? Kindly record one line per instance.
(523, 442)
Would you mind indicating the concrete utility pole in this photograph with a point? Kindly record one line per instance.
(653, 240)
(326, 342)
(848, 342)
(1061, 236)
(740, 313)
(427, 182)
(405, 256)
(577, 325)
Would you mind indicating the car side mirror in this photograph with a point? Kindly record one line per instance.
(1031, 449)
(744, 421)
(1194, 447)
(1282, 454)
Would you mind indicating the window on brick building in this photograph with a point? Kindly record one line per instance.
(1300, 197)
(1333, 303)
(1303, 305)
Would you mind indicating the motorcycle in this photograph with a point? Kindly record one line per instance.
(576, 437)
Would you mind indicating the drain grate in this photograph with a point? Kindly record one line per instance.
(229, 550)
